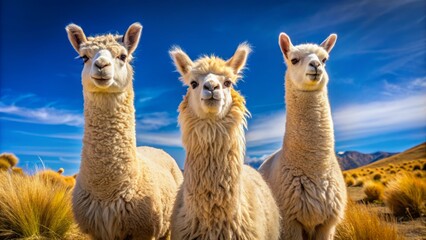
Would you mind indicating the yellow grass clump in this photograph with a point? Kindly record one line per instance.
(406, 196)
(373, 191)
(32, 208)
(349, 181)
(359, 182)
(361, 222)
(10, 158)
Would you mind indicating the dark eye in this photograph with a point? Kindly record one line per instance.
(294, 61)
(324, 60)
(227, 83)
(122, 57)
(85, 58)
(194, 84)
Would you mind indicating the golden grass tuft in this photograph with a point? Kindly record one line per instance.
(4, 165)
(32, 208)
(349, 181)
(361, 222)
(359, 183)
(377, 177)
(9, 157)
(373, 191)
(406, 196)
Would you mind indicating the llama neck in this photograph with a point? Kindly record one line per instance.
(109, 143)
(309, 136)
(214, 161)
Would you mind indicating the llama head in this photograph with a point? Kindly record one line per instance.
(306, 62)
(210, 80)
(106, 58)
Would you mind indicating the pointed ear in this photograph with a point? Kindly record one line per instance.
(328, 43)
(181, 60)
(76, 36)
(132, 36)
(285, 44)
(238, 61)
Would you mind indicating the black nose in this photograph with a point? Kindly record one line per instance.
(314, 64)
(210, 86)
(102, 64)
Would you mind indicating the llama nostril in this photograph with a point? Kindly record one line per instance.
(210, 86)
(314, 64)
(101, 65)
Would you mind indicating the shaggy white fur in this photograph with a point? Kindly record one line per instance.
(304, 175)
(122, 192)
(220, 198)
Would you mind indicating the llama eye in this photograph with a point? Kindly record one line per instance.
(85, 58)
(227, 83)
(122, 57)
(324, 60)
(294, 61)
(194, 84)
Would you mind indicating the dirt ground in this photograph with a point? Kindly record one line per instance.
(414, 229)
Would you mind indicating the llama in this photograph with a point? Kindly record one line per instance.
(304, 175)
(122, 192)
(220, 198)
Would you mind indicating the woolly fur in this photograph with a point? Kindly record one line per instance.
(122, 192)
(304, 175)
(220, 198)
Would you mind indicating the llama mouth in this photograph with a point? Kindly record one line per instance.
(314, 77)
(211, 101)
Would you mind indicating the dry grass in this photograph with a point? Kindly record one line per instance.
(362, 223)
(10, 158)
(373, 191)
(34, 209)
(349, 181)
(406, 196)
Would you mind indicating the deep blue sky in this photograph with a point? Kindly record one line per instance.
(377, 70)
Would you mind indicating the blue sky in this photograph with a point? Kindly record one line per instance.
(377, 70)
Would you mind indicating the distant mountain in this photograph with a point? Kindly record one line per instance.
(415, 153)
(354, 159)
(348, 159)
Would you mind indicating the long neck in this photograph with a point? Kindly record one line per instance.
(109, 143)
(309, 136)
(214, 161)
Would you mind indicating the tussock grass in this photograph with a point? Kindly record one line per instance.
(361, 222)
(349, 182)
(377, 177)
(33, 209)
(10, 158)
(359, 183)
(406, 196)
(373, 191)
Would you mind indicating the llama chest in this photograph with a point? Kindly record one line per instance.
(311, 201)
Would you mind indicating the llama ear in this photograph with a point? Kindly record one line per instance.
(76, 36)
(181, 60)
(328, 43)
(238, 61)
(285, 44)
(132, 36)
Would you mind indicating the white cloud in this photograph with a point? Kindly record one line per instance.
(43, 115)
(266, 129)
(415, 86)
(170, 139)
(70, 136)
(155, 120)
(380, 117)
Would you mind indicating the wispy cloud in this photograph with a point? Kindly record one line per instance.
(149, 94)
(43, 115)
(266, 129)
(70, 136)
(155, 120)
(407, 87)
(169, 139)
(380, 117)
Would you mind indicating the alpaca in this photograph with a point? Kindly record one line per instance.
(122, 192)
(220, 198)
(304, 174)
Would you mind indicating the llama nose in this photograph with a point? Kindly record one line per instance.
(211, 85)
(101, 63)
(315, 64)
